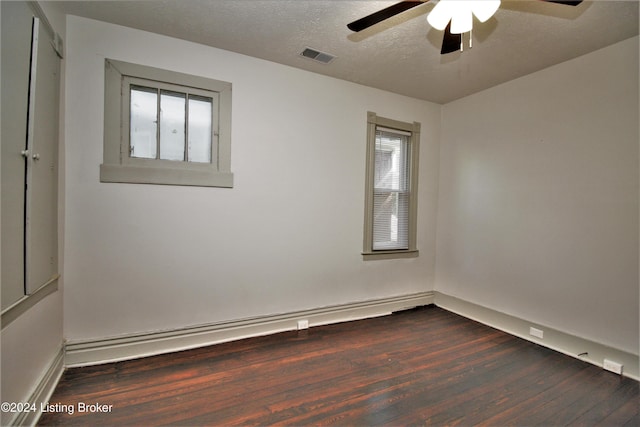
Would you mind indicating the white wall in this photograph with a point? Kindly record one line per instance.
(287, 237)
(538, 206)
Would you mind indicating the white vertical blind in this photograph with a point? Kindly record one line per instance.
(144, 122)
(391, 190)
(200, 123)
(172, 125)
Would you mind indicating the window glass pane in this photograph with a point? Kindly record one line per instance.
(143, 122)
(172, 125)
(391, 161)
(390, 220)
(200, 110)
(391, 192)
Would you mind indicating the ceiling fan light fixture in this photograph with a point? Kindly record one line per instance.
(462, 21)
(441, 15)
(460, 13)
(484, 9)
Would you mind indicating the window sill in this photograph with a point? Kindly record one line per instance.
(377, 255)
(165, 176)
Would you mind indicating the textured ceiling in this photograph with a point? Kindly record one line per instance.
(401, 55)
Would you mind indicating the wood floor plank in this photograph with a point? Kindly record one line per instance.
(425, 366)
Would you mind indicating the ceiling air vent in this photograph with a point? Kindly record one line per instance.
(316, 55)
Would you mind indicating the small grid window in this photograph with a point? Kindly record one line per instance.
(163, 127)
(170, 125)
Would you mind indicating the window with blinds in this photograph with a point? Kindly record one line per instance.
(391, 184)
(391, 190)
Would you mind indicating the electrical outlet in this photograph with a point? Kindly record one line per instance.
(303, 324)
(538, 333)
(612, 366)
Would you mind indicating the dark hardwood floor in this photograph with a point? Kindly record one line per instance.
(419, 367)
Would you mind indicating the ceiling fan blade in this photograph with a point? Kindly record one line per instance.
(566, 2)
(450, 42)
(381, 15)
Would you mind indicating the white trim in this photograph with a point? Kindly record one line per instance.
(133, 346)
(43, 391)
(554, 339)
(21, 306)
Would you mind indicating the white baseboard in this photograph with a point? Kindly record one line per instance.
(92, 352)
(565, 343)
(42, 393)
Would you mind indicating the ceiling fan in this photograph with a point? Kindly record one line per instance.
(455, 17)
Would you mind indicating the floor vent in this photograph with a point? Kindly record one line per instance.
(316, 55)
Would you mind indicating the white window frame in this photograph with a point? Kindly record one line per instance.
(119, 166)
(413, 129)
